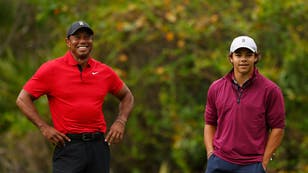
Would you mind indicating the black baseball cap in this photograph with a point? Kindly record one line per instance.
(78, 25)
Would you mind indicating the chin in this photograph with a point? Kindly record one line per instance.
(83, 56)
(243, 70)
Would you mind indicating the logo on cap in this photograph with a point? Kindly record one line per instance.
(81, 23)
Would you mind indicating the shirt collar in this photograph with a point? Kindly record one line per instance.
(230, 76)
(70, 60)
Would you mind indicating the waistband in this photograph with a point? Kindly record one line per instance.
(86, 136)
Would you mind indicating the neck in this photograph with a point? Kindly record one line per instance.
(82, 61)
(242, 78)
(83, 64)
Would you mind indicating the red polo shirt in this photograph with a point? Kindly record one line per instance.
(75, 98)
(243, 116)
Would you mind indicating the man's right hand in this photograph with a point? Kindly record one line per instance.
(54, 136)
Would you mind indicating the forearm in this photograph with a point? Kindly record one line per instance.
(27, 107)
(209, 132)
(25, 103)
(117, 129)
(273, 143)
(126, 107)
(126, 104)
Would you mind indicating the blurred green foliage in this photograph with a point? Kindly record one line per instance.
(168, 52)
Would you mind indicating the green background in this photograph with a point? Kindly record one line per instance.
(168, 52)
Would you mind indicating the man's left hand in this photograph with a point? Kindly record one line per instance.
(116, 132)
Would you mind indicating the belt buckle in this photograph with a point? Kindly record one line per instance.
(87, 137)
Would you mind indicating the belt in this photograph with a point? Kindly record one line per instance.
(86, 136)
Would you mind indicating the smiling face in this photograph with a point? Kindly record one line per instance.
(243, 61)
(80, 44)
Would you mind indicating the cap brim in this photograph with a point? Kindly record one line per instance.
(242, 46)
(84, 27)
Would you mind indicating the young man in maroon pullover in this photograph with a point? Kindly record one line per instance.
(244, 115)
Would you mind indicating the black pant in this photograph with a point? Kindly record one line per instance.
(80, 156)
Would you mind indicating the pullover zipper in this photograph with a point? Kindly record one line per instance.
(240, 90)
(239, 94)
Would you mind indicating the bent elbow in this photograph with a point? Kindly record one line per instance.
(18, 101)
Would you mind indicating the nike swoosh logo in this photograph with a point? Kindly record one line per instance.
(95, 72)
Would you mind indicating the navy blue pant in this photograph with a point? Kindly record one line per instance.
(218, 165)
(82, 157)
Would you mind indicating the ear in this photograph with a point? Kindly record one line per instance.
(256, 57)
(230, 58)
(67, 41)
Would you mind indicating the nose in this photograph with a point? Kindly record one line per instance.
(82, 39)
(243, 58)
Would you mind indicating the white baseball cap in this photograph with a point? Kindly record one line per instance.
(243, 42)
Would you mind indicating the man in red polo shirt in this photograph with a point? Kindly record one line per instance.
(76, 85)
(244, 115)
